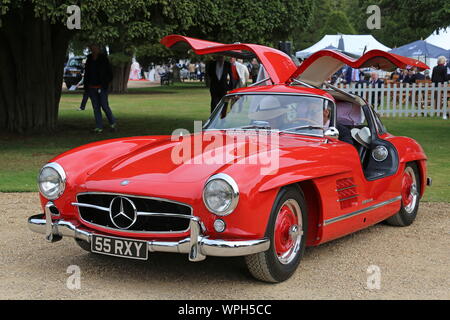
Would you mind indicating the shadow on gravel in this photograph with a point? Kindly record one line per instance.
(163, 267)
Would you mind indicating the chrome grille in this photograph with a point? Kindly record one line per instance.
(154, 215)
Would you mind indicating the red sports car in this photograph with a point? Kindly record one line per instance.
(288, 162)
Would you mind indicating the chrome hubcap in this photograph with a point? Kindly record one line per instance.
(410, 194)
(288, 231)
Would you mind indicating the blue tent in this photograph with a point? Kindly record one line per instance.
(420, 48)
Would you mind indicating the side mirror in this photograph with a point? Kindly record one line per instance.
(332, 133)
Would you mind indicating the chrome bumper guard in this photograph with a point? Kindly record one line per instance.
(196, 245)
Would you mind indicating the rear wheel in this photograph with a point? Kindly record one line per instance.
(410, 193)
(287, 233)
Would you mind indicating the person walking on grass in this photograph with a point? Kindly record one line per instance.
(97, 77)
(85, 95)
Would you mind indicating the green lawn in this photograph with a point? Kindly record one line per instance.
(160, 110)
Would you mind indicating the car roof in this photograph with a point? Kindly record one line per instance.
(282, 88)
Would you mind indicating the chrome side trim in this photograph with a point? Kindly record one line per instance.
(355, 213)
(348, 198)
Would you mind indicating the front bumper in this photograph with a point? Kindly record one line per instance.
(196, 245)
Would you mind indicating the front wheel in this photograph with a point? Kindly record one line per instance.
(410, 198)
(287, 233)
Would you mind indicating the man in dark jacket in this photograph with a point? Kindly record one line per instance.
(219, 75)
(440, 72)
(97, 77)
(375, 82)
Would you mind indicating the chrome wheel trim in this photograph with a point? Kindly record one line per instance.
(413, 191)
(290, 255)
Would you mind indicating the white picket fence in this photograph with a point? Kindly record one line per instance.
(401, 99)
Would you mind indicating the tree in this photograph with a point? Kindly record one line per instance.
(337, 22)
(328, 17)
(32, 53)
(245, 21)
(34, 41)
(403, 21)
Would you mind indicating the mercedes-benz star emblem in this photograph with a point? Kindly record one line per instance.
(122, 212)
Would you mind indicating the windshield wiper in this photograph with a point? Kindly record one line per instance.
(256, 126)
(310, 127)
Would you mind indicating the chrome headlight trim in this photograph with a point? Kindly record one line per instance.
(234, 196)
(62, 184)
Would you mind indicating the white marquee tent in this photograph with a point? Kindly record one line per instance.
(354, 44)
(441, 40)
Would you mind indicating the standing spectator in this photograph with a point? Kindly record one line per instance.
(97, 77)
(235, 79)
(85, 96)
(219, 76)
(201, 68)
(239, 73)
(243, 73)
(439, 74)
(375, 82)
(351, 75)
(191, 69)
(255, 70)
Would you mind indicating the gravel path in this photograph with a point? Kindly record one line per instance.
(414, 264)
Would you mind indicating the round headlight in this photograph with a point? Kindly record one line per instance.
(52, 181)
(221, 194)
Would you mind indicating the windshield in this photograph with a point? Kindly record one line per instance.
(293, 113)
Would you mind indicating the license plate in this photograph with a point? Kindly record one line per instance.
(119, 247)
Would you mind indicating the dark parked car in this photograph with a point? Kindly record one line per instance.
(73, 71)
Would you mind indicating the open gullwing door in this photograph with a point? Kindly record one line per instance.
(323, 64)
(278, 65)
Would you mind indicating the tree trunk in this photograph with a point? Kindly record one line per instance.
(121, 74)
(176, 73)
(32, 55)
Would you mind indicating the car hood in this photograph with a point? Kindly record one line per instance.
(195, 158)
